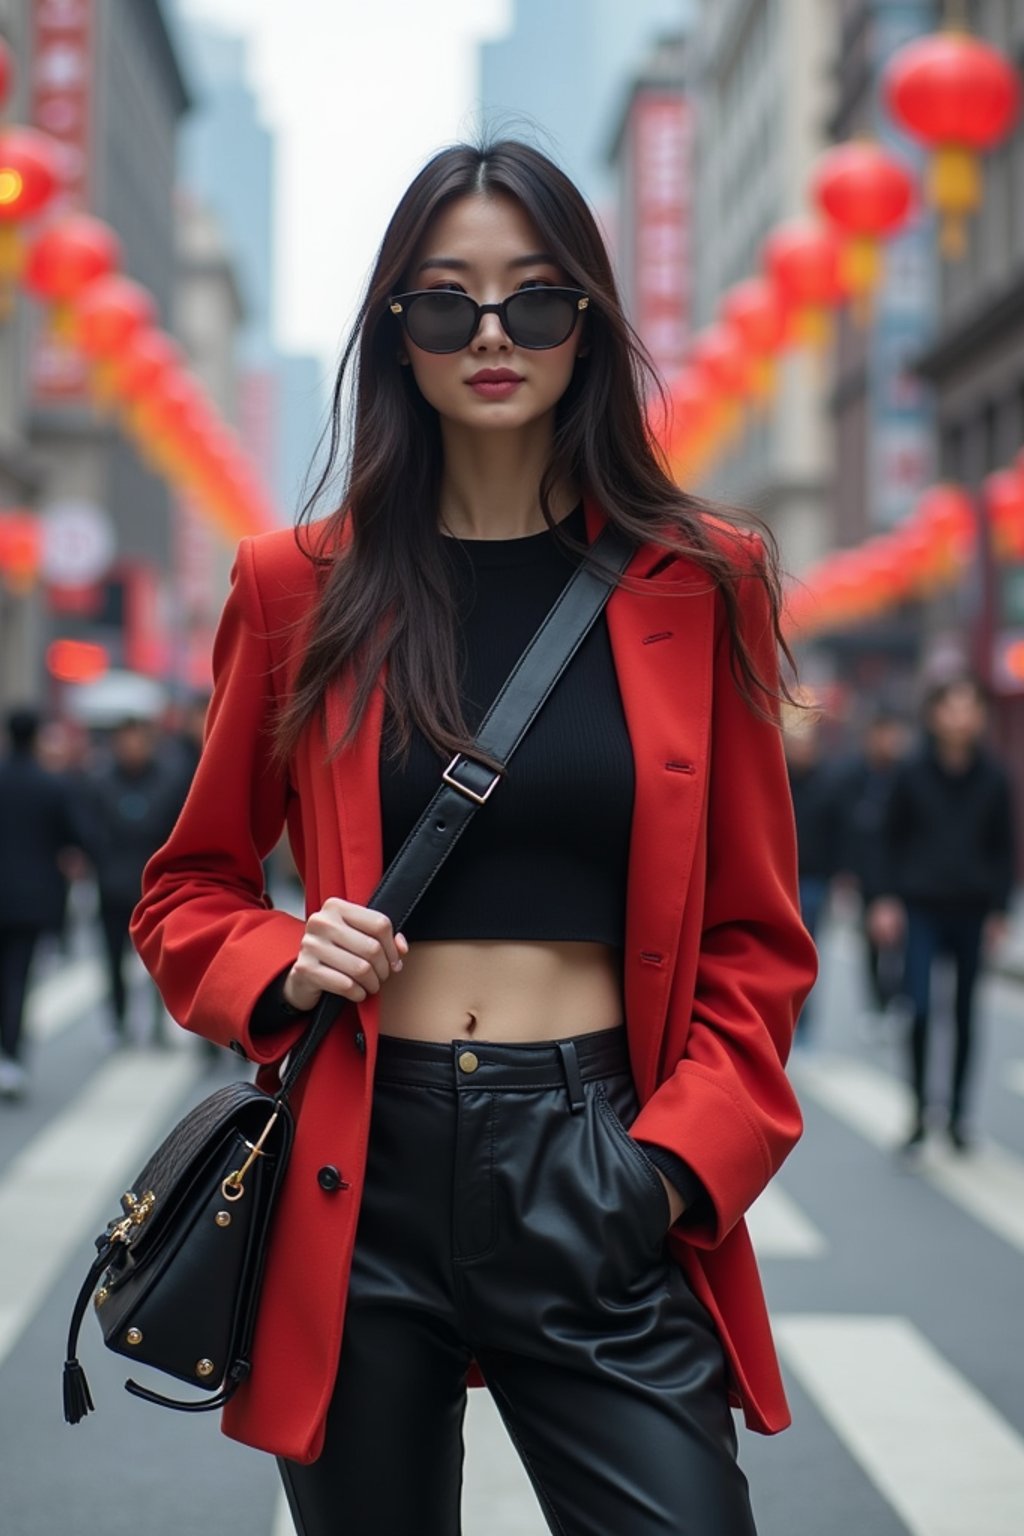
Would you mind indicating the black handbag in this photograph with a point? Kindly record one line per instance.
(179, 1271)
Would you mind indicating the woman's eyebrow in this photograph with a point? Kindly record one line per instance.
(453, 263)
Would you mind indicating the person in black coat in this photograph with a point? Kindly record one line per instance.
(866, 782)
(948, 876)
(817, 809)
(38, 823)
(133, 799)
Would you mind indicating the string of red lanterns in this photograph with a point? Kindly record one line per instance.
(961, 97)
(136, 371)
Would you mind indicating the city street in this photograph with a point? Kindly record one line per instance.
(896, 1294)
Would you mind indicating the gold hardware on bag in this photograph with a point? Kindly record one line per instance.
(134, 1336)
(136, 1212)
(232, 1187)
(204, 1368)
(101, 1296)
(223, 1218)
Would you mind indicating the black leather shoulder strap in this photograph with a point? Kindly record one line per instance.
(466, 784)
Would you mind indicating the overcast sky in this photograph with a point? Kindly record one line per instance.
(358, 94)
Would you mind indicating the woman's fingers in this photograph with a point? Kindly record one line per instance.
(347, 950)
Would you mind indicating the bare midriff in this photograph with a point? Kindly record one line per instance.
(486, 989)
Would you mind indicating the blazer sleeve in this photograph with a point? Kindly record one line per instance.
(205, 926)
(728, 1109)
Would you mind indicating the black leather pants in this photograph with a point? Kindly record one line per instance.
(508, 1217)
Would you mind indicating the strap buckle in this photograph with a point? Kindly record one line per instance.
(464, 789)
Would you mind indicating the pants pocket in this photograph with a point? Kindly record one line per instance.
(616, 1105)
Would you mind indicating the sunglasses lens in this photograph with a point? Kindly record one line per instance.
(541, 317)
(441, 321)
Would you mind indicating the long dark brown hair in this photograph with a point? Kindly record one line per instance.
(386, 594)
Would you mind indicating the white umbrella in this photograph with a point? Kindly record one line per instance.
(116, 696)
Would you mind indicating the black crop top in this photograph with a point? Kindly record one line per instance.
(546, 857)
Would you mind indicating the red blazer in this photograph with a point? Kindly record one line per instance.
(716, 965)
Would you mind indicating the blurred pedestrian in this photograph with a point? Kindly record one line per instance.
(133, 801)
(948, 878)
(38, 827)
(817, 806)
(526, 1207)
(188, 736)
(866, 782)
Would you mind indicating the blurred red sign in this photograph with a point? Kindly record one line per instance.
(661, 127)
(62, 73)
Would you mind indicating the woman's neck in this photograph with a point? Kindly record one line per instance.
(490, 484)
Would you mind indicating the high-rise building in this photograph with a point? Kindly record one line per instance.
(559, 75)
(227, 159)
(760, 72)
(652, 156)
(102, 77)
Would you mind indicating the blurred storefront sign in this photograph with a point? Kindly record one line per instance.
(655, 151)
(79, 543)
(62, 78)
(901, 432)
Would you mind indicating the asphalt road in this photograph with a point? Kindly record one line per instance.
(896, 1292)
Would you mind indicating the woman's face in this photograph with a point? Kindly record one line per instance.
(487, 246)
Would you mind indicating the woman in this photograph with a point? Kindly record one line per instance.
(618, 927)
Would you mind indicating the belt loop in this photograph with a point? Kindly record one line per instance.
(573, 1080)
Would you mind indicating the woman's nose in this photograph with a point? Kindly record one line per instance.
(490, 332)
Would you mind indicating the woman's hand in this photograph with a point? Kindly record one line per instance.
(677, 1205)
(346, 949)
(886, 921)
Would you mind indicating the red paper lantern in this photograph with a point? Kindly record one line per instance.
(803, 261)
(29, 172)
(689, 406)
(29, 176)
(145, 357)
(960, 96)
(1003, 494)
(945, 513)
(720, 353)
(866, 192)
(109, 312)
(69, 255)
(755, 311)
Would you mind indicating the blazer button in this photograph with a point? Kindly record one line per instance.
(360, 1040)
(330, 1179)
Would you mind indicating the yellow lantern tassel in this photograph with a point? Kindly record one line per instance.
(765, 381)
(861, 270)
(954, 188)
(63, 327)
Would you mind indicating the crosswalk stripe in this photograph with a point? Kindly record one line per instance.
(988, 1184)
(925, 1436)
(56, 1002)
(52, 1191)
(780, 1230)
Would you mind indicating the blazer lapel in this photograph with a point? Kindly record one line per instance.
(661, 644)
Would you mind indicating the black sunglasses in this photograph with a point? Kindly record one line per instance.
(443, 320)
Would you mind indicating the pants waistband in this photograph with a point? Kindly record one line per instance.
(497, 1064)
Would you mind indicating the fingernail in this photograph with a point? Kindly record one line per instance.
(397, 965)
